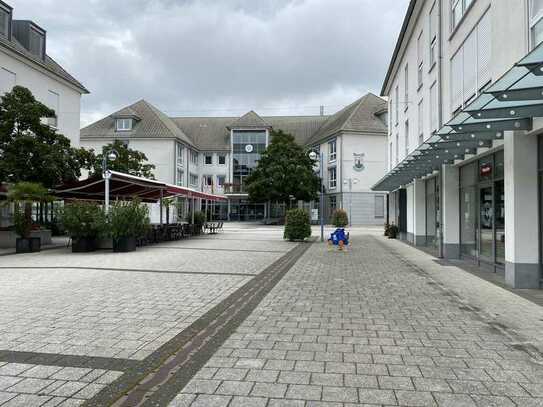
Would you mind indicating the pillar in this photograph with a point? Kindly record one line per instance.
(419, 212)
(521, 211)
(410, 211)
(450, 215)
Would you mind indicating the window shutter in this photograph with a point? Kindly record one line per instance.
(456, 80)
(470, 67)
(484, 50)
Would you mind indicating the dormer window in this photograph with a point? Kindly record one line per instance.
(123, 124)
(36, 42)
(5, 21)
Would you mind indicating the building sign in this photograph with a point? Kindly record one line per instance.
(249, 148)
(359, 162)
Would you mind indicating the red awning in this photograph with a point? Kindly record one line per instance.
(126, 187)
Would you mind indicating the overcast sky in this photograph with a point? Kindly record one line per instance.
(220, 57)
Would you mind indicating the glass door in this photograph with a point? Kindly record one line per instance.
(486, 224)
(499, 221)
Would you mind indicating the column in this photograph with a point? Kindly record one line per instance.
(419, 212)
(450, 207)
(521, 211)
(410, 212)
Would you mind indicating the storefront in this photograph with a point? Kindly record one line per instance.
(433, 214)
(482, 210)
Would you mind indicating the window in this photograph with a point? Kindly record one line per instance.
(433, 36)
(433, 108)
(180, 177)
(332, 177)
(194, 157)
(180, 155)
(7, 80)
(123, 124)
(470, 66)
(390, 155)
(420, 60)
(221, 180)
(396, 106)
(421, 122)
(5, 17)
(379, 206)
(53, 102)
(397, 148)
(222, 159)
(193, 179)
(332, 153)
(390, 116)
(536, 22)
(36, 42)
(208, 159)
(406, 138)
(208, 180)
(406, 87)
(333, 203)
(458, 9)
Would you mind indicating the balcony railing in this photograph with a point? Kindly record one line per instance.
(234, 189)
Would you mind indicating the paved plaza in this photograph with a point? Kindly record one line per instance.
(245, 319)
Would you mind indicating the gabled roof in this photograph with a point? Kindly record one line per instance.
(360, 116)
(153, 123)
(48, 63)
(249, 120)
(126, 112)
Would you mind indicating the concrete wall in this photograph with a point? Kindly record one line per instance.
(40, 82)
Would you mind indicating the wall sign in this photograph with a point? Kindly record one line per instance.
(359, 165)
(249, 148)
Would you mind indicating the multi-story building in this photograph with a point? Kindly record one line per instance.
(24, 61)
(464, 124)
(216, 154)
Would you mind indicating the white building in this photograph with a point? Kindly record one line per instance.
(216, 154)
(24, 61)
(463, 140)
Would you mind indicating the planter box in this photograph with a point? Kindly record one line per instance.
(30, 245)
(124, 245)
(8, 238)
(83, 245)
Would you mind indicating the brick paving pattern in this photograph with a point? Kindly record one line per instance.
(365, 328)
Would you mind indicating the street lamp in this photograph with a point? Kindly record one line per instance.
(350, 182)
(315, 157)
(110, 155)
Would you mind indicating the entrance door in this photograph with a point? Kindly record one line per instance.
(486, 224)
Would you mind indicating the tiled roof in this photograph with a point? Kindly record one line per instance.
(360, 116)
(212, 134)
(153, 124)
(48, 63)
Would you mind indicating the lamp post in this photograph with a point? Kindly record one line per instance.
(320, 159)
(110, 155)
(350, 182)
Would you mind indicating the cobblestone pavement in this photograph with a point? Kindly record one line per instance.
(368, 327)
(70, 324)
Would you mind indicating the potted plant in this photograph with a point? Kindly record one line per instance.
(297, 225)
(199, 221)
(387, 227)
(127, 222)
(24, 194)
(393, 231)
(85, 222)
(340, 218)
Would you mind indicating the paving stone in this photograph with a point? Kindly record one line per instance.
(27, 400)
(375, 396)
(8, 381)
(248, 402)
(494, 401)
(269, 390)
(415, 398)
(30, 385)
(327, 379)
(235, 388)
(205, 400)
(454, 400)
(202, 386)
(395, 383)
(267, 376)
(229, 374)
(41, 372)
(304, 392)
(294, 377)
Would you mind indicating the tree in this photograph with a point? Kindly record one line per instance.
(31, 150)
(129, 161)
(283, 173)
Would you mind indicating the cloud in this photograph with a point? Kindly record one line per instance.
(209, 57)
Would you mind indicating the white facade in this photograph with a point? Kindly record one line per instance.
(476, 42)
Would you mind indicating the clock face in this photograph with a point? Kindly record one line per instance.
(249, 148)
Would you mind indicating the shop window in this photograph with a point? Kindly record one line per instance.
(379, 206)
(499, 164)
(486, 168)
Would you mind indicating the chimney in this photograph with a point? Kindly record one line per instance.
(322, 110)
(31, 36)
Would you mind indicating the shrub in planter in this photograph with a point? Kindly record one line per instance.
(297, 225)
(85, 222)
(24, 194)
(340, 218)
(128, 221)
(199, 220)
(393, 231)
(387, 227)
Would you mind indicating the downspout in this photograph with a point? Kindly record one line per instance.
(440, 120)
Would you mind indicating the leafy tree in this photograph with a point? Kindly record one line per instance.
(31, 150)
(129, 161)
(284, 171)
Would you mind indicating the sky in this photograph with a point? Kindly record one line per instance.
(220, 57)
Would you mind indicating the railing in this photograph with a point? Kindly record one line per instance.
(233, 189)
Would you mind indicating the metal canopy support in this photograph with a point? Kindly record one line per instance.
(495, 125)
